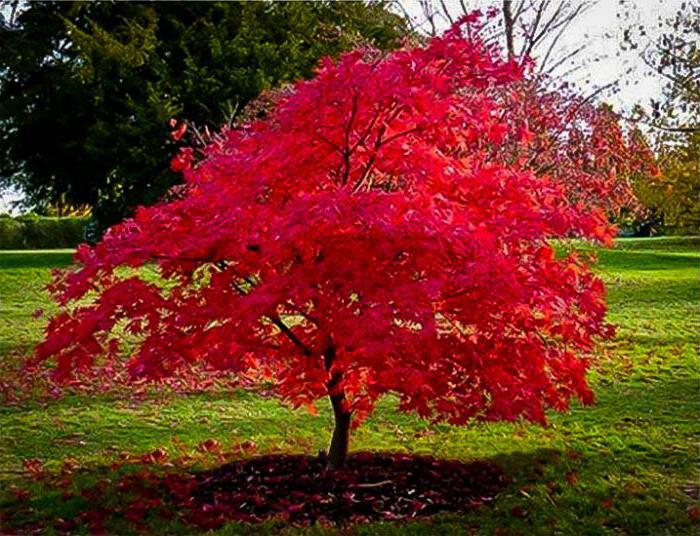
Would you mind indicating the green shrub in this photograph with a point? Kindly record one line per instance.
(11, 234)
(40, 232)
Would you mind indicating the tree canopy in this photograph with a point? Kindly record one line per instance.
(382, 229)
(87, 88)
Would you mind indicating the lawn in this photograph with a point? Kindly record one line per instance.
(627, 465)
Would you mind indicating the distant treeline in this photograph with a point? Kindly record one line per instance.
(41, 232)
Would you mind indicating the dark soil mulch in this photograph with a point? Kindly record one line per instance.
(372, 487)
(294, 489)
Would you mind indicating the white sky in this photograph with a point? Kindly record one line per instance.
(6, 200)
(601, 28)
(605, 24)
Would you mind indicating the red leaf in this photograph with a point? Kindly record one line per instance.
(572, 478)
(157, 456)
(209, 445)
(34, 467)
(179, 131)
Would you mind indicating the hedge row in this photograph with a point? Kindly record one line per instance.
(39, 232)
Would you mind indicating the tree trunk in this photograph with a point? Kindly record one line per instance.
(509, 28)
(338, 449)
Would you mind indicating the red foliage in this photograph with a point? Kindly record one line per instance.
(576, 143)
(384, 229)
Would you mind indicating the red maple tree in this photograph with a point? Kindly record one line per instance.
(384, 229)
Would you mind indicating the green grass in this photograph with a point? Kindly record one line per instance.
(627, 465)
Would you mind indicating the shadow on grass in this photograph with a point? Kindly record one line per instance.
(155, 494)
(644, 293)
(35, 259)
(675, 243)
(624, 260)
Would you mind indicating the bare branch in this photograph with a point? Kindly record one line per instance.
(561, 61)
(446, 12)
(529, 38)
(429, 13)
(562, 29)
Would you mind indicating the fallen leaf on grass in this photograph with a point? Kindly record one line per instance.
(519, 512)
(34, 467)
(694, 513)
(209, 445)
(157, 456)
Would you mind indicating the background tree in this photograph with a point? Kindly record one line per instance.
(367, 236)
(674, 56)
(87, 88)
(673, 197)
(673, 119)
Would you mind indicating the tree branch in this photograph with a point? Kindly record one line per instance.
(277, 321)
(509, 27)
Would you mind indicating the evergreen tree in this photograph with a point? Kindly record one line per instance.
(87, 89)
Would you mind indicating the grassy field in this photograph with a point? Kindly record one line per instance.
(627, 465)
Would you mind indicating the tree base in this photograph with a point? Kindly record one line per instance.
(371, 487)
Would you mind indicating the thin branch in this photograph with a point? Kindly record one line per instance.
(665, 128)
(519, 10)
(363, 137)
(348, 130)
(370, 162)
(463, 6)
(406, 16)
(446, 12)
(429, 13)
(529, 35)
(329, 142)
(558, 36)
(277, 321)
(180, 259)
(314, 320)
(689, 85)
(378, 145)
(274, 317)
(401, 134)
(564, 59)
(548, 27)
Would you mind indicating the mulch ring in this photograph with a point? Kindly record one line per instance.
(373, 487)
(293, 489)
